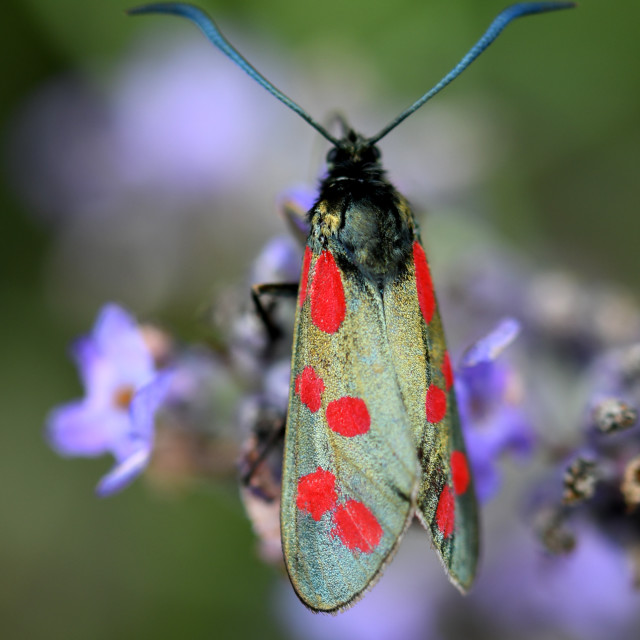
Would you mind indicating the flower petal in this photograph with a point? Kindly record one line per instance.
(99, 375)
(493, 344)
(141, 418)
(118, 340)
(303, 196)
(145, 404)
(112, 357)
(87, 359)
(79, 429)
(123, 473)
(279, 261)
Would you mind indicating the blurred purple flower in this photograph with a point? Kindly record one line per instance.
(405, 603)
(493, 424)
(615, 374)
(61, 149)
(302, 195)
(143, 172)
(279, 261)
(585, 594)
(184, 120)
(123, 392)
(176, 123)
(276, 384)
(201, 393)
(294, 204)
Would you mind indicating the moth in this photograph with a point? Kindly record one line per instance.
(372, 436)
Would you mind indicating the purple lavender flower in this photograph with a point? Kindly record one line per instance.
(279, 261)
(406, 603)
(123, 393)
(585, 594)
(492, 419)
(302, 196)
(162, 129)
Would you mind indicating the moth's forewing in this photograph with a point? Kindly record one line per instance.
(446, 499)
(350, 467)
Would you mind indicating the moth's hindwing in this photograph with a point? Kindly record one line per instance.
(446, 498)
(350, 468)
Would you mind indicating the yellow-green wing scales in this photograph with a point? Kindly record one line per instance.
(350, 467)
(446, 501)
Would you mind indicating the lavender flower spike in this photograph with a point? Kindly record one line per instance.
(493, 418)
(122, 394)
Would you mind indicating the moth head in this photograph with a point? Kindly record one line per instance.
(353, 148)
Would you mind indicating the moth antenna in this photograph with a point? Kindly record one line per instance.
(495, 29)
(209, 28)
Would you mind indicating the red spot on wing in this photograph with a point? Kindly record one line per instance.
(304, 278)
(356, 527)
(460, 472)
(328, 306)
(348, 416)
(424, 285)
(446, 512)
(447, 371)
(435, 404)
(317, 493)
(309, 386)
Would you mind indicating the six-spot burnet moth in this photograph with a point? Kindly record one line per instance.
(372, 435)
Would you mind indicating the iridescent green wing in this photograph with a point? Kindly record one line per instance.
(350, 467)
(446, 499)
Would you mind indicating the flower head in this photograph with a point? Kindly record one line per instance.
(122, 393)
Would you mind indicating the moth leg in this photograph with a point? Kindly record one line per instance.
(264, 440)
(268, 431)
(283, 289)
(296, 218)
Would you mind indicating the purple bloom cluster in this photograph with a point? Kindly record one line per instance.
(539, 574)
(160, 128)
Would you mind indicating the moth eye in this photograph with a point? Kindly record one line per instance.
(332, 156)
(375, 152)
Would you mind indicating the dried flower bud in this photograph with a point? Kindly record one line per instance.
(553, 532)
(579, 481)
(612, 415)
(631, 483)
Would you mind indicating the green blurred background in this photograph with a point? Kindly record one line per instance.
(567, 88)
